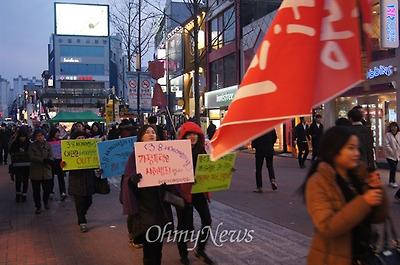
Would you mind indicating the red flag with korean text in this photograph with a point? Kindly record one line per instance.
(310, 55)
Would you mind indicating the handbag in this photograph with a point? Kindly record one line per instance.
(388, 255)
(101, 186)
(174, 200)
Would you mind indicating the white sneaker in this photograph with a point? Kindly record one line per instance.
(393, 185)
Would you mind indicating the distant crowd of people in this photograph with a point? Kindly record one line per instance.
(32, 159)
(342, 189)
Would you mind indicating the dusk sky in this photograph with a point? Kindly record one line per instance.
(25, 29)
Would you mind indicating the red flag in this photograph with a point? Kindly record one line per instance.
(158, 96)
(310, 55)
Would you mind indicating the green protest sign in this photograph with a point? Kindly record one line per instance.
(212, 176)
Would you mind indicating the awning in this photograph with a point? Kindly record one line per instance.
(65, 116)
(374, 89)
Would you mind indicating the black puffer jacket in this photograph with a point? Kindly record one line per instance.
(81, 182)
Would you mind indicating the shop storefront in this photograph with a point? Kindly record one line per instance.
(380, 101)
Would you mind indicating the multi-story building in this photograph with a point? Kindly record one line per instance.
(84, 61)
(4, 98)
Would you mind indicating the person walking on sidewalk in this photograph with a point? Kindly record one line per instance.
(146, 205)
(316, 130)
(81, 185)
(343, 200)
(5, 135)
(20, 164)
(199, 201)
(391, 144)
(123, 133)
(54, 135)
(41, 159)
(301, 137)
(264, 146)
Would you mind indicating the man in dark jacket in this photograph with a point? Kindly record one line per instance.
(211, 130)
(302, 136)
(316, 131)
(264, 146)
(366, 138)
(5, 135)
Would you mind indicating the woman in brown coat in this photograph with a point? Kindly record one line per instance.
(343, 200)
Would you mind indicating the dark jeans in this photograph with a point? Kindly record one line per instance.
(185, 216)
(129, 224)
(46, 186)
(82, 204)
(3, 149)
(152, 251)
(303, 152)
(61, 181)
(315, 149)
(393, 169)
(269, 160)
(21, 180)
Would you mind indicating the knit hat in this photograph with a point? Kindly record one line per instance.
(190, 126)
(35, 132)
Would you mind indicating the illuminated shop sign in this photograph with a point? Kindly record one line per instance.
(75, 78)
(389, 23)
(70, 60)
(220, 97)
(379, 71)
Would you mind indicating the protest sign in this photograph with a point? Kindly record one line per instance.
(56, 147)
(212, 176)
(79, 154)
(161, 162)
(114, 154)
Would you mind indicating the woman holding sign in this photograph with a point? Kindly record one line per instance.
(81, 186)
(146, 205)
(199, 201)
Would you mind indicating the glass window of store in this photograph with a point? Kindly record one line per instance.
(223, 29)
(382, 111)
(251, 10)
(223, 72)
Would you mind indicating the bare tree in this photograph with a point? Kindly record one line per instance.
(134, 20)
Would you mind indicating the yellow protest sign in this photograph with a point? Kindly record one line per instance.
(79, 154)
(212, 176)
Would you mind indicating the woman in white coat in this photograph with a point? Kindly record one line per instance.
(392, 151)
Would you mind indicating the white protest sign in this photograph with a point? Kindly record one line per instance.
(161, 162)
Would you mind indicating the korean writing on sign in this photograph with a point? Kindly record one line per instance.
(114, 155)
(161, 162)
(79, 154)
(389, 23)
(391, 13)
(212, 176)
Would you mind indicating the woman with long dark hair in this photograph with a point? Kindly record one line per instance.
(343, 200)
(145, 205)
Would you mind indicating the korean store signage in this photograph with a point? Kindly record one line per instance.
(389, 23)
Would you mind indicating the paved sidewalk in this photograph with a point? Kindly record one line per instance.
(281, 227)
(53, 237)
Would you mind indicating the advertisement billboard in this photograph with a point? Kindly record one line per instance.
(81, 19)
